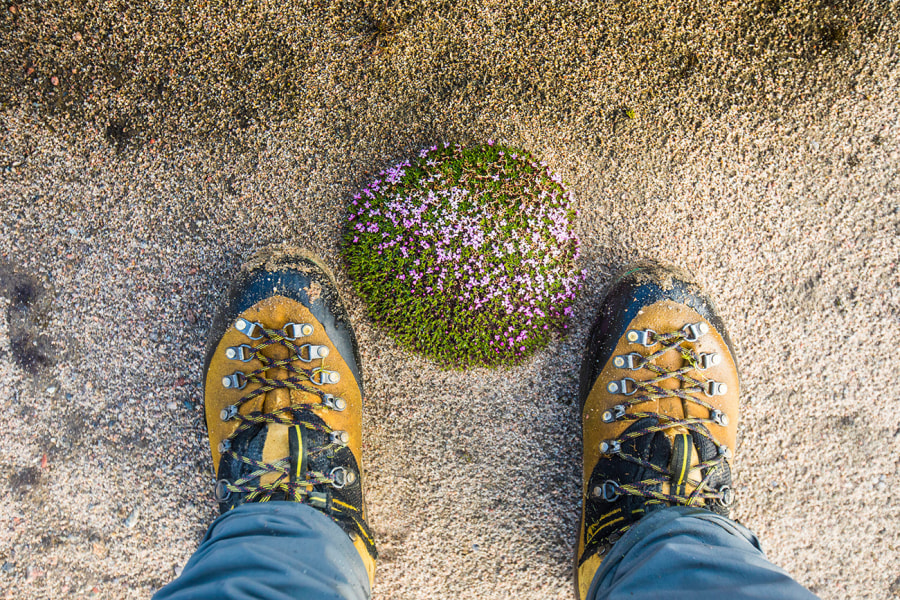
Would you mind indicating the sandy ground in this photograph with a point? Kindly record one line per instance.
(146, 148)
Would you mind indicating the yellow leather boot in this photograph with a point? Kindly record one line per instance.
(283, 394)
(659, 396)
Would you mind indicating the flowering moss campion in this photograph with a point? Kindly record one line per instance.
(466, 255)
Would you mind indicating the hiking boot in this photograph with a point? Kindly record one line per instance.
(659, 404)
(284, 395)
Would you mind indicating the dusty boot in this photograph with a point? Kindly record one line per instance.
(659, 396)
(283, 393)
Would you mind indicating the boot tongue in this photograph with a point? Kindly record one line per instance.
(275, 448)
(277, 436)
(683, 457)
(269, 444)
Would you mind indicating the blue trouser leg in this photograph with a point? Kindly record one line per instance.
(272, 551)
(691, 554)
(282, 550)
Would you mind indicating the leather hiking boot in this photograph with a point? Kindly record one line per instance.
(283, 394)
(659, 404)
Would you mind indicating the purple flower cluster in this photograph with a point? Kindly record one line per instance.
(467, 255)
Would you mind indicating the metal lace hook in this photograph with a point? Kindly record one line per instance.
(607, 491)
(249, 328)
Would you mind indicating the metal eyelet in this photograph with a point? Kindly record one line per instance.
(224, 446)
(610, 446)
(694, 331)
(628, 361)
(243, 353)
(325, 377)
(292, 331)
(617, 412)
(221, 491)
(719, 417)
(340, 437)
(607, 491)
(334, 402)
(620, 386)
(248, 328)
(342, 477)
(715, 388)
(313, 352)
(235, 381)
(229, 412)
(726, 498)
(710, 359)
(644, 337)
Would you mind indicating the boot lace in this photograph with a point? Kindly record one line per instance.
(692, 389)
(297, 487)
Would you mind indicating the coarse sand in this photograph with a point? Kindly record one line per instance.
(148, 148)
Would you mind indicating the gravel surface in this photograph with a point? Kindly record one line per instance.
(147, 148)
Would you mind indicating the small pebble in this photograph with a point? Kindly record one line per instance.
(178, 569)
(52, 389)
(172, 405)
(132, 518)
(7, 567)
(76, 36)
(54, 80)
(99, 549)
(895, 587)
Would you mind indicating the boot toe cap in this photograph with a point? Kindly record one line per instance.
(636, 287)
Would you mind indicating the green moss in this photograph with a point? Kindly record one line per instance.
(466, 255)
